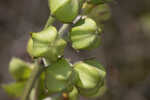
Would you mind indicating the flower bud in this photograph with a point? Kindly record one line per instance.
(91, 76)
(84, 35)
(19, 69)
(58, 76)
(64, 10)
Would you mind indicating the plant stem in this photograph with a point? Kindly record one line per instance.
(49, 22)
(63, 29)
(32, 80)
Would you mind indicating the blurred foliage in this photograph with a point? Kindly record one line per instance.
(100, 13)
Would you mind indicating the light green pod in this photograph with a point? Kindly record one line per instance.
(91, 76)
(56, 50)
(19, 69)
(46, 44)
(85, 35)
(41, 41)
(57, 76)
(64, 10)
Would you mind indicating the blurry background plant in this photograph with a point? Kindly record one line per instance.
(124, 51)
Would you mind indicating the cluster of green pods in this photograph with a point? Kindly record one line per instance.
(86, 78)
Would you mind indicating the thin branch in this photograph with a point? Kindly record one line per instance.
(32, 80)
(49, 22)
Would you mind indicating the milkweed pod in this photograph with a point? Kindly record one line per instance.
(57, 76)
(91, 76)
(19, 69)
(96, 2)
(85, 35)
(64, 10)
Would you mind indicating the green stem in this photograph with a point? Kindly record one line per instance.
(32, 80)
(63, 29)
(49, 22)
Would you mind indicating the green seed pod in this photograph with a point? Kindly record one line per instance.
(57, 76)
(64, 10)
(96, 2)
(84, 35)
(56, 50)
(46, 44)
(41, 40)
(19, 69)
(91, 76)
(73, 95)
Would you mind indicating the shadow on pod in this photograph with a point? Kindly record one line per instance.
(91, 77)
(58, 75)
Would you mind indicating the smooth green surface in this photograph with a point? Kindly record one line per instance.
(46, 44)
(57, 76)
(84, 35)
(40, 42)
(19, 69)
(64, 10)
(91, 76)
(55, 50)
(46, 36)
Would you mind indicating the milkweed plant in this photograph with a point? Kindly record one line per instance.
(51, 75)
